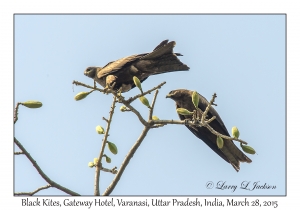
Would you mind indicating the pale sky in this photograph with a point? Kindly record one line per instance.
(240, 57)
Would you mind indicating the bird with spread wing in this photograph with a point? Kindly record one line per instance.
(118, 74)
(229, 152)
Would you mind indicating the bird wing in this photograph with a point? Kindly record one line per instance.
(198, 131)
(115, 66)
(203, 103)
(230, 152)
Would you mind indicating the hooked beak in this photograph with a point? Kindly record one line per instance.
(168, 96)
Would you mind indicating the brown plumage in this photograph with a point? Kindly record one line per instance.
(160, 60)
(230, 152)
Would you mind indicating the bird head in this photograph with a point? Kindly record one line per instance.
(174, 94)
(91, 71)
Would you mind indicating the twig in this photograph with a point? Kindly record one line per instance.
(40, 171)
(113, 171)
(99, 165)
(192, 123)
(207, 108)
(105, 119)
(121, 98)
(16, 112)
(223, 136)
(34, 192)
(211, 119)
(19, 153)
(131, 99)
(88, 86)
(152, 105)
(130, 154)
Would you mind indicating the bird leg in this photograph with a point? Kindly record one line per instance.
(109, 87)
(186, 121)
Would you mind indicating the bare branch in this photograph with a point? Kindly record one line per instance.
(88, 86)
(193, 123)
(144, 122)
(130, 154)
(113, 170)
(152, 105)
(105, 119)
(34, 192)
(207, 108)
(99, 165)
(121, 98)
(40, 171)
(16, 112)
(211, 119)
(131, 99)
(19, 153)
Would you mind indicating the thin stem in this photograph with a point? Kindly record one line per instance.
(152, 105)
(207, 108)
(131, 99)
(33, 192)
(40, 171)
(99, 165)
(192, 123)
(16, 112)
(113, 171)
(130, 154)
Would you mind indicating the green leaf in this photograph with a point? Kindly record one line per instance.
(183, 111)
(220, 142)
(145, 101)
(123, 108)
(248, 149)
(155, 118)
(81, 95)
(91, 164)
(96, 161)
(99, 129)
(137, 83)
(32, 104)
(107, 159)
(195, 99)
(112, 147)
(235, 132)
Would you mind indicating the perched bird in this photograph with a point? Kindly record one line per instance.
(120, 72)
(229, 152)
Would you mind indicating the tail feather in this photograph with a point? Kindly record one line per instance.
(234, 155)
(163, 43)
(160, 50)
(169, 63)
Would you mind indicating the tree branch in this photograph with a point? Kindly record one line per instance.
(40, 171)
(99, 165)
(113, 184)
(88, 86)
(131, 99)
(34, 192)
(121, 98)
(16, 112)
(113, 170)
(193, 123)
(152, 105)
(207, 108)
